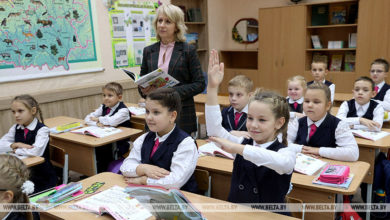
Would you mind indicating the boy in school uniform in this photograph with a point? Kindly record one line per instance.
(113, 112)
(378, 71)
(319, 70)
(234, 117)
(362, 112)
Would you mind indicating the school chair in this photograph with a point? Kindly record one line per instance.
(291, 200)
(203, 179)
(59, 158)
(136, 125)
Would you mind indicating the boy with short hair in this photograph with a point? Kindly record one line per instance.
(234, 117)
(362, 112)
(319, 70)
(113, 112)
(378, 71)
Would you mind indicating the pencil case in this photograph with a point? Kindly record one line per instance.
(336, 174)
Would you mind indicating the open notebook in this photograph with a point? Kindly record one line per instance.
(97, 131)
(212, 150)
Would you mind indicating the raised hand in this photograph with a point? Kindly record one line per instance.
(216, 70)
(227, 145)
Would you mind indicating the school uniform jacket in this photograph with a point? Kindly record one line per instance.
(42, 175)
(257, 184)
(185, 67)
(299, 108)
(228, 116)
(164, 153)
(324, 135)
(369, 113)
(382, 92)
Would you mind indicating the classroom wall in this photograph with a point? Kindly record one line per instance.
(223, 14)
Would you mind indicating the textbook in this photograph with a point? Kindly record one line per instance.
(56, 196)
(137, 110)
(97, 131)
(315, 39)
(344, 185)
(211, 149)
(307, 165)
(65, 127)
(165, 203)
(116, 202)
(370, 135)
(336, 62)
(158, 78)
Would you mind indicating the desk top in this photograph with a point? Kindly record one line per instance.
(225, 166)
(112, 179)
(222, 100)
(32, 161)
(86, 139)
(383, 143)
(341, 97)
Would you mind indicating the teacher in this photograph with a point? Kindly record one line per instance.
(179, 59)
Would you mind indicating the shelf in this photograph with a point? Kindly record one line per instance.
(332, 26)
(194, 23)
(238, 50)
(326, 49)
(252, 26)
(201, 50)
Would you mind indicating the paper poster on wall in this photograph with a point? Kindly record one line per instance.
(46, 38)
(131, 30)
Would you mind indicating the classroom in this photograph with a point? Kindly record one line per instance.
(321, 66)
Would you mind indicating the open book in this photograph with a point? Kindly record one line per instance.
(97, 131)
(307, 165)
(137, 110)
(116, 202)
(164, 203)
(370, 135)
(212, 150)
(158, 78)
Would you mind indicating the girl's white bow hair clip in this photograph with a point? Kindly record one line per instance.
(28, 187)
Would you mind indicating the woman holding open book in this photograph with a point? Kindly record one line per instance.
(174, 56)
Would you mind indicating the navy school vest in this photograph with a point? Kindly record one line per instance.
(228, 120)
(327, 83)
(324, 135)
(257, 184)
(164, 154)
(120, 106)
(299, 108)
(369, 113)
(381, 94)
(42, 175)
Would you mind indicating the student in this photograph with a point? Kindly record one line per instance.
(319, 133)
(262, 166)
(166, 155)
(379, 70)
(111, 113)
(234, 117)
(319, 71)
(296, 86)
(14, 187)
(362, 112)
(30, 137)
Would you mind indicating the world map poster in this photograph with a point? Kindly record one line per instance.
(45, 38)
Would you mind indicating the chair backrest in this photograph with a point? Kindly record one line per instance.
(59, 158)
(203, 180)
(137, 125)
(291, 200)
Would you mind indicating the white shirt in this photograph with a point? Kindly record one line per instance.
(346, 150)
(182, 167)
(282, 161)
(360, 111)
(245, 110)
(110, 120)
(291, 101)
(39, 145)
(386, 99)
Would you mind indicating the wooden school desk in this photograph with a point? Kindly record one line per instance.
(112, 179)
(341, 97)
(32, 161)
(220, 170)
(200, 101)
(81, 148)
